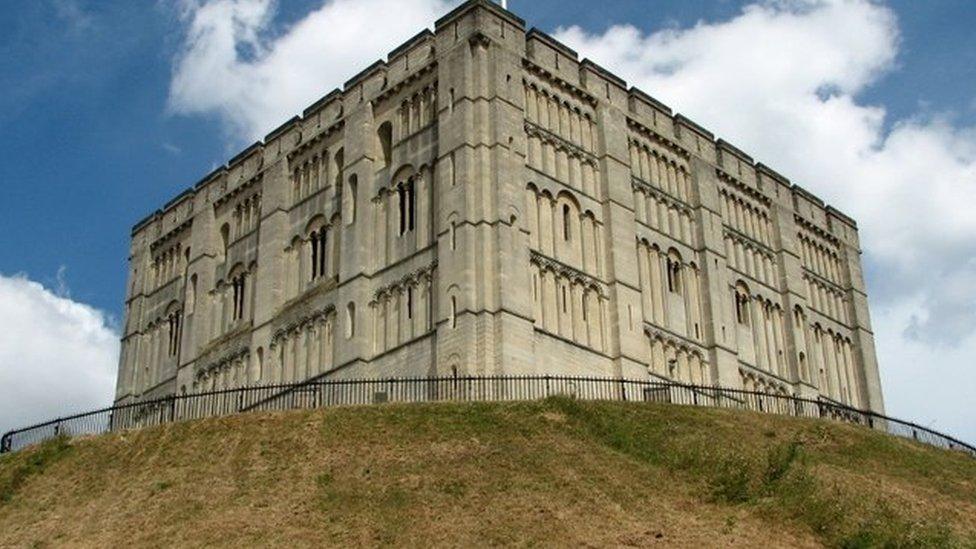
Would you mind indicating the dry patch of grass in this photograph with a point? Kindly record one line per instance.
(557, 472)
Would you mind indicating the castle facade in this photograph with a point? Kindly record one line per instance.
(485, 203)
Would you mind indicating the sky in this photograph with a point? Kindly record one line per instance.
(112, 107)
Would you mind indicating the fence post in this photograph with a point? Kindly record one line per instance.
(547, 386)
(5, 444)
(57, 427)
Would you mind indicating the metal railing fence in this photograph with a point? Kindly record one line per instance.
(346, 392)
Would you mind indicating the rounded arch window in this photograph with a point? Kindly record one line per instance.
(350, 320)
(225, 237)
(742, 304)
(674, 271)
(384, 136)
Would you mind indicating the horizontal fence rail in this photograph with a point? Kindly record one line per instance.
(348, 392)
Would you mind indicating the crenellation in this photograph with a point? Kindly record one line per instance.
(483, 202)
(414, 52)
(289, 126)
(553, 57)
(324, 110)
(730, 157)
(695, 138)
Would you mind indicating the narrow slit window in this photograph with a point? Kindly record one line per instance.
(412, 205)
(566, 233)
(322, 254)
(401, 197)
(314, 246)
(410, 302)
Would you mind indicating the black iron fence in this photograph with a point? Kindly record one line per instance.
(344, 392)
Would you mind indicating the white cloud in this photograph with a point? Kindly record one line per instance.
(57, 356)
(933, 389)
(74, 15)
(781, 80)
(237, 65)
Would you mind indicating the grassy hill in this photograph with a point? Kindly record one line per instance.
(555, 472)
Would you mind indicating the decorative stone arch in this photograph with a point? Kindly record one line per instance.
(235, 271)
(172, 307)
(742, 297)
(316, 256)
(314, 224)
(674, 265)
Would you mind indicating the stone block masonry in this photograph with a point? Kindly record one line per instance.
(483, 202)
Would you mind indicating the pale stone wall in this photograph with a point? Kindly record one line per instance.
(483, 202)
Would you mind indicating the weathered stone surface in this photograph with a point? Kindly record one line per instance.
(482, 202)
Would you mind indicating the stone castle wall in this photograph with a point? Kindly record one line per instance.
(483, 202)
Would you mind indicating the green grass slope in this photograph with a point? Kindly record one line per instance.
(550, 473)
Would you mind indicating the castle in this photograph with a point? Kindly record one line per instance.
(485, 203)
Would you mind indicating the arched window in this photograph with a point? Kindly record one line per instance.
(313, 245)
(259, 367)
(323, 241)
(454, 310)
(742, 304)
(411, 205)
(224, 238)
(340, 165)
(410, 302)
(402, 208)
(385, 136)
(674, 273)
(566, 230)
(350, 320)
(407, 198)
(174, 321)
(238, 284)
(317, 243)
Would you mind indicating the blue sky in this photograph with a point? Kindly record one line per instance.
(93, 138)
(90, 148)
